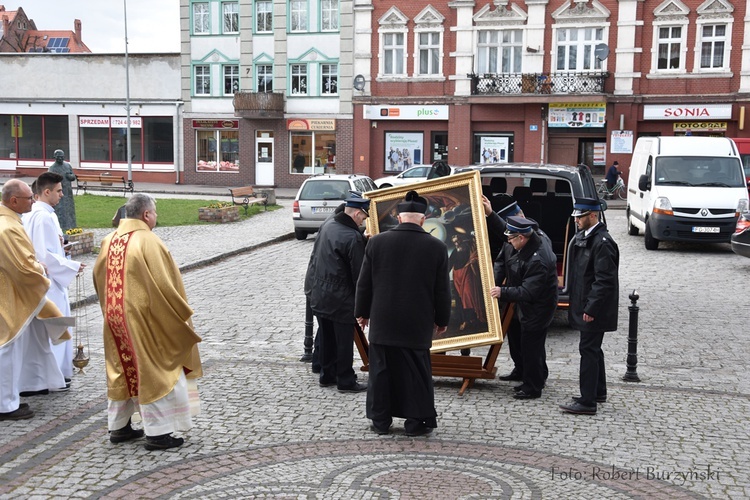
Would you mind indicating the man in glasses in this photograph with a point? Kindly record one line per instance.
(594, 292)
(24, 335)
(531, 283)
(330, 284)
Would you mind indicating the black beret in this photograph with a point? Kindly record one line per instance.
(413, 203)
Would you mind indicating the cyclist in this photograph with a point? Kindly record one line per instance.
(612, 174)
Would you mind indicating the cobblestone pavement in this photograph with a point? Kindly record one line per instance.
(268, 430)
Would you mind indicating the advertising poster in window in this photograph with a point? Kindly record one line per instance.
(403, 150)
(577, 115)
(494, 150)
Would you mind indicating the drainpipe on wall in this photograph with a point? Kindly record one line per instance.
(176, 132)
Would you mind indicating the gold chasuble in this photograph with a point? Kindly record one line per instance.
(148, 334)
(22, 284)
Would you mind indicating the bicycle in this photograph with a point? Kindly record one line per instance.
(618, 190)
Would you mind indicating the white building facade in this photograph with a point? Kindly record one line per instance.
(76, 102)
(267, 90)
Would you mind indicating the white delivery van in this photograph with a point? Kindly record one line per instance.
(685, 189)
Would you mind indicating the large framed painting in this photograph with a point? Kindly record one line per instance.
(456, 217)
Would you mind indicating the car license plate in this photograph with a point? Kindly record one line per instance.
(702, 229)
(325, 210)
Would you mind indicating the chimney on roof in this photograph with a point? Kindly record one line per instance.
(77, 27)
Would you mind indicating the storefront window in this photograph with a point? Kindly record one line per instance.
(218, 150)
(159, 140)
(30, 138)
(119, 146)
(24, 136)
(104, 139)
(56, 135)
(313, 152)
(95, 144)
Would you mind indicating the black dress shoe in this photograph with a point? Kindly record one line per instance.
(357, 387)
(599, 399)
(514, 375)
(21, 413)
(519, 387)
(419, 431)
(577, 408)
(379, 431)
(523, 394)
(163, 442)
(127, 433)
(326, 384)
(26, 394)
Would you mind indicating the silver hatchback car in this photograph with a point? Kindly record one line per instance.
(319, 196)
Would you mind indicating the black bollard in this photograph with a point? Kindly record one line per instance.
(307, 356)
(632, 362)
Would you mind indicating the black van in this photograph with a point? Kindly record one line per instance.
(545, 193)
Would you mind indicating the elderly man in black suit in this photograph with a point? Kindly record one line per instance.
(403, 294)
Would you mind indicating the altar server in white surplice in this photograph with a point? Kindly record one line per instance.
(44, 231)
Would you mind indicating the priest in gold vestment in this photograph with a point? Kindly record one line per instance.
(28, 320)
(150, 345)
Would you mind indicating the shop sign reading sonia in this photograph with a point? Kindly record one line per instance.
(106, 121)
(700, 126)
(214, 124)
(577, 115)
(687, 112)
(406, 112)
(311, 124)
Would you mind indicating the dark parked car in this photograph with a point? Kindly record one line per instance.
(545, 193)
(741, 237)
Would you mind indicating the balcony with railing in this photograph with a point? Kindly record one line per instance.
(255, 105)
(537, 83)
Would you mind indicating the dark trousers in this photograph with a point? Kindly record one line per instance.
(336, 353)
(534, 357)
(516, 343)
(593, 377)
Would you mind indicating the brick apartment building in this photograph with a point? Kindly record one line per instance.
(556, 81)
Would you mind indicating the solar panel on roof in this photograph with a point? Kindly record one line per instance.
(57, 42)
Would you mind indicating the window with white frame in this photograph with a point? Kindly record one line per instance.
(264, 16)
(329, 15)
(499, 51)
(429, 52)
(203, 79)
(329, 79)
(298, 15)
(264, 75)
(576, 49)
(669, 48)
(713, 42)
(394, 51)
(201, 24)
(299, 79)
(231, 16)
(231, 79)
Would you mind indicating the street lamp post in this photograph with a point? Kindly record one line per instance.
(127, 94)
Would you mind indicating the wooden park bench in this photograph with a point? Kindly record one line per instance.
(103, 183)
(247, 196)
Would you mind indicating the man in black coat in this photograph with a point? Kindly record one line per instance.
(594, 294)
(496, 226)
(330, 285)
(531, 283)
(403, 294)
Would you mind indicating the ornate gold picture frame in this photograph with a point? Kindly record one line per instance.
(455, 216)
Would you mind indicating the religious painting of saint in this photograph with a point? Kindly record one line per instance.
(455, 216)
